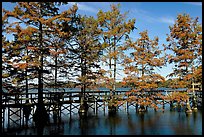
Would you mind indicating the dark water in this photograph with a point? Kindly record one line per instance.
(126, 123)
(123, 123)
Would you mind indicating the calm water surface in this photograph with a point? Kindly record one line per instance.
(126, 123)
(123, 123)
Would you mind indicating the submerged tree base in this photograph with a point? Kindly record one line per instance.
(40, 117)
(195, 109)
(142, 109)
(83, 114)
(189, 111)
(112, 109)
(83, 109)
(27, 111)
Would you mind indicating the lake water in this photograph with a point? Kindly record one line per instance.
(125, 123)
(35, 90)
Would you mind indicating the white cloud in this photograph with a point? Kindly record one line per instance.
(140, 11)
(143, 14)
(194, 3)
(146, 15)
(168, 20)
(83, 7)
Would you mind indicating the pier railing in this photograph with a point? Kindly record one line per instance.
(67, 103)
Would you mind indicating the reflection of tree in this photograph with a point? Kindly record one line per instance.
(182, 125)
(70, 123)
(189, 125)
(88, 125)
(141, 115)
(113, 120)
(57, 129)
(195, 115)
(150, 122)
(84, 127)
(132, 126)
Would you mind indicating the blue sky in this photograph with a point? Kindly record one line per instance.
(156, 17)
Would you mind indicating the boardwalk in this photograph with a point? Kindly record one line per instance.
(16, 107)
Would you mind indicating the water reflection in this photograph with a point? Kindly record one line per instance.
(126, 123)
(131, 125)
(87, 125)
(142, 125)
(112, 121)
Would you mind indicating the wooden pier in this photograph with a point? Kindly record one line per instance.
(15, 108)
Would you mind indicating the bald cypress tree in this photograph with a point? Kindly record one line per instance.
(36, 23)
(114, 29)
(185, 43)
(145, 57)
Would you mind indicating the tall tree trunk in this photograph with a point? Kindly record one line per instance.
(40, 117)
(82, 75)
(85, 73)
(26, 74)
(55, 70)
(110, 67)
(83, 104)
(142, 108)
(111, 107)
(40, 84)
(114, 69)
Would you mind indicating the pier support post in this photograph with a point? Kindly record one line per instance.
(163, 107)
(27, 111)
(127, 106)
(56, 113)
